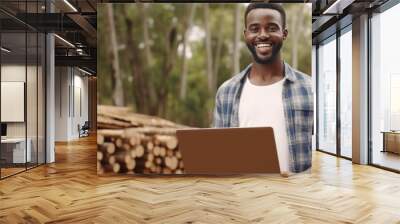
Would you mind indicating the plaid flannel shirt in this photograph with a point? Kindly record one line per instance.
(297, 99)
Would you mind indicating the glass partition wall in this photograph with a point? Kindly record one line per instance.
(334, 98)
(345, 92)
(22, 88)
(385, 90)
(334, 104)
(13, 88)
(327, 98)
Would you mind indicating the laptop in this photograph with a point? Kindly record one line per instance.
(228, 150)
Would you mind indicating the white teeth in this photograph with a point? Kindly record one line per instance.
(263, 45)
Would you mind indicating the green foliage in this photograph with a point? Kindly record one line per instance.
(197, 107)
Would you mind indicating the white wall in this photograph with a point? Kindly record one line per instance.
(13, 73)
(71, 87)
(61, 103)
(12, 101)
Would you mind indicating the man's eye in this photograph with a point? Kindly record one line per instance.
(273, 29)
(253, 29)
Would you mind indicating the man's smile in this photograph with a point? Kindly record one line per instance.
(263, 45)
(263, 48)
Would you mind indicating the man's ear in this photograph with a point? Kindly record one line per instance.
(285, 34)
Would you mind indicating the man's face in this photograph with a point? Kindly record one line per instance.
(264, 34)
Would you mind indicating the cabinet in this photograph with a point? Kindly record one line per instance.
(391, 141)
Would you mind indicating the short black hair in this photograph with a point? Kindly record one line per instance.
(265, 5)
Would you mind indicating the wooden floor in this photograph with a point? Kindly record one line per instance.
(10, 171)
(5, 172)
(70, 191)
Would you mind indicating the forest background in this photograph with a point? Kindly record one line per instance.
(168, 60)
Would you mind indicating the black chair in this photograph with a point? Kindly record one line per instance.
(84, 130)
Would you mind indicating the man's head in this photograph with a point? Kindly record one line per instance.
(265, 31)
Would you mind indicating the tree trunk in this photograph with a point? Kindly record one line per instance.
(209, 65)
(188, 24)
(295, 36)
(217, 57)
(139, 84)
(236, 41)
(118, 94)
(168, 65)
(146, 38)
(152, 104)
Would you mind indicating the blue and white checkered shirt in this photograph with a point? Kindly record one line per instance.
(298, 106)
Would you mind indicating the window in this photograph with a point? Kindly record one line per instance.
(327, 96)
(385, 88)
(346, 93)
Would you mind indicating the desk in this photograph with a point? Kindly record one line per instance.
(15, 148)
(391, 141)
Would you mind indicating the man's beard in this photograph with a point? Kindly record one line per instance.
(275, 51)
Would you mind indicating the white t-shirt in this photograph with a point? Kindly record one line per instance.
(262, 106)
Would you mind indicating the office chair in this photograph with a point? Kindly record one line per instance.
(84, 130)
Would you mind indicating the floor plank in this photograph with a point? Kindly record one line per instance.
(69, 191)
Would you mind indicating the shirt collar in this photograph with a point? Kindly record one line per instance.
(289, 73)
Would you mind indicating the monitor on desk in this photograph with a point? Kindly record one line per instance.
(3, 130)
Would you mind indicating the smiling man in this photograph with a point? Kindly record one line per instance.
(269, 92)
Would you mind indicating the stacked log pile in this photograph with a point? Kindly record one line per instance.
(136, 143)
